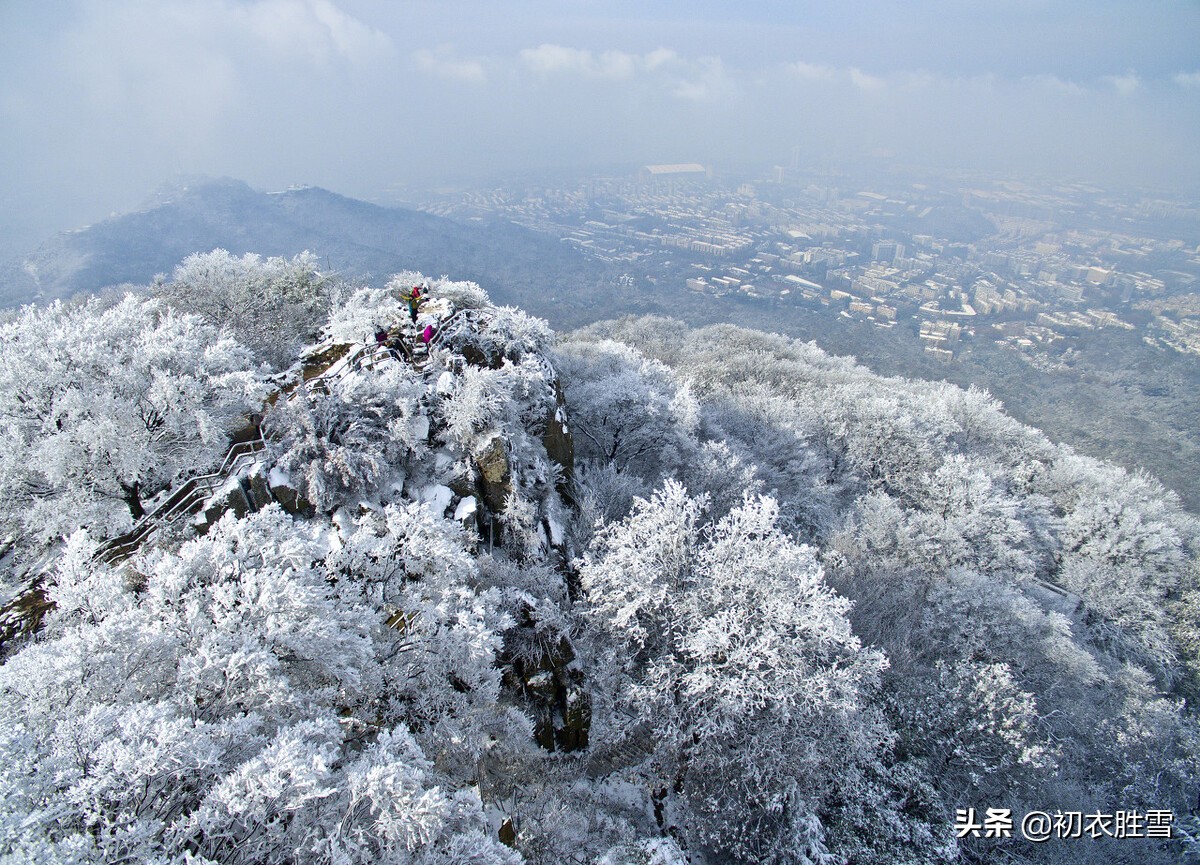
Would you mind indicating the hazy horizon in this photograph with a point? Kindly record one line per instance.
(103, 102)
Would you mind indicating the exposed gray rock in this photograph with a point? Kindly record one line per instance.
(228, 497)
(553, 691)
(257, 489)
(289, 497)
(557, 440)
(495, 474)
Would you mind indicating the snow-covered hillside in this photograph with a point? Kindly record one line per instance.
(454, 589)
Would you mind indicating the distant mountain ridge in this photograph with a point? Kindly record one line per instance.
(354, 237)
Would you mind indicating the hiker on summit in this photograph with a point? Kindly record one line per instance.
(414, 298)
(389, 339)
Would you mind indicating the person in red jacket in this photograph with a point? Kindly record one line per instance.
(414, 299)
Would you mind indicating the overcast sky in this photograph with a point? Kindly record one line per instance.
(102, 100)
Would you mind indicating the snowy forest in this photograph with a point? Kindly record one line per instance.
(301, 571)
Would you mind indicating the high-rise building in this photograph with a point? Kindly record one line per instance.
(886, 250)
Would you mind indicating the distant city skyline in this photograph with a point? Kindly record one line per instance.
(101, 102)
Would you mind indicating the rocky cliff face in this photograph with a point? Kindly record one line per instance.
(481, 437)
(470, 424)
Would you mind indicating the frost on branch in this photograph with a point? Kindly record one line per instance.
(731, 647)
(104, 406)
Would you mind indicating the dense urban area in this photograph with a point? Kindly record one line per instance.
(951, 259)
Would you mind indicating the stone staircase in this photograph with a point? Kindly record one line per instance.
(320, 370)
(183, 502)
(630, 750)
(195, 491)
(23, 614)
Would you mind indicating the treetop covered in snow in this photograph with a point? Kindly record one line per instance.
(471, 592)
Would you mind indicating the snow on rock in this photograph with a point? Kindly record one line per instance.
(396, 485)
(344, 522)
(420, 426)
(465, 508)
(556, 531)
(285, 492)
(438, 307)
(228, 497)
(495, 474)
(328, 540)
(257, 487)
(438, 497)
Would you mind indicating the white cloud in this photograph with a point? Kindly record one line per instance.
(1125, 85)
(548, 59)
(1053, 84)
(811, 71)
(442, 63)
(315, 30)
(705, 81)
(913, 79)
(864, 81)
(692, 80)
(166, 86)
(120, 93)
(617, 64)
(175, 59)
(659, 58)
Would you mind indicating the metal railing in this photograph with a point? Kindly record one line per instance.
(190, 495)
(196, 490)
(23, 614)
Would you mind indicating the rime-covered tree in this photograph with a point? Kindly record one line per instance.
(628, 411)
(274, 306)
(346, 440)
(728, 643)
(851, 631)
(102, 406)
(256, 699)
(941, 519)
